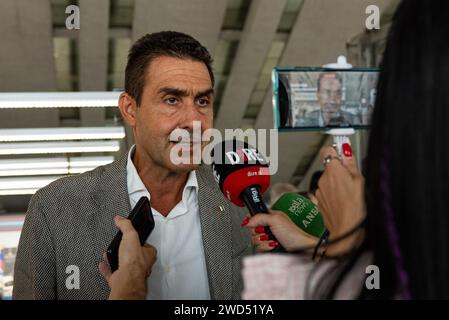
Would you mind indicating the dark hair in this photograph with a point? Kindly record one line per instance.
(407, 173)
(313, 187)
(165, 43)
(336, 75)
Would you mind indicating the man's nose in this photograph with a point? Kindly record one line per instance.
(333, 97)
(190, 115)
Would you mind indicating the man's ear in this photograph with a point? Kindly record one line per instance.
(128, 108)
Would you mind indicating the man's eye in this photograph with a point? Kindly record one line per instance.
(171, 101)
(203, 102)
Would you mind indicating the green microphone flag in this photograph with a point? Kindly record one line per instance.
(303, 212)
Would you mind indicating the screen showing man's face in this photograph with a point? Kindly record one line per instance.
(322, 99)
(330, 96)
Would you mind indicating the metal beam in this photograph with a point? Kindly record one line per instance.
(93, 55)
(26, 56)
(202, 19)
(112, 33)
(256, 38)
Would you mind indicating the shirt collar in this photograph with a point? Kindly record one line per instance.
(135, 184)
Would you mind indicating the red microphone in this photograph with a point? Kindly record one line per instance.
(243, 175)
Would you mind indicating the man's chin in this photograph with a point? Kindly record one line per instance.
(184, 168)
(332, 112)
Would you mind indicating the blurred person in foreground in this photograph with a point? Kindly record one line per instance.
(404, 196)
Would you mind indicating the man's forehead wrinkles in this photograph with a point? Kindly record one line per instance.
(185, 79)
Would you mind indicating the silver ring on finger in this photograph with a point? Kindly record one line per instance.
(327, 159)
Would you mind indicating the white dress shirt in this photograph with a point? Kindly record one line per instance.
(180, 269)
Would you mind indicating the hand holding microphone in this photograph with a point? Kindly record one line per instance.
(295, 221)
(243, 175)
(290, 236)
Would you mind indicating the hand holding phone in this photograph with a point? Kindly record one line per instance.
(142, 220)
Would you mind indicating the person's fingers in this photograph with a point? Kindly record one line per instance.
(126, 227)
(263, 249)
(258, 220)
(327, 151)
(349, 161)
(264, 246)
(150, 254)
(255, 241)
(105, 258)
(258, 239)
(252, 231)
(334, 163)
(259, 230)
(105, 270)
(262, 219)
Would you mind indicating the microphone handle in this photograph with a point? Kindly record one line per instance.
(252, 197)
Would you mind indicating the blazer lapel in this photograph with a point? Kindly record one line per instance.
(216, 227)
(111, 199)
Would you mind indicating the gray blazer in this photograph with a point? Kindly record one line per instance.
(70, 222)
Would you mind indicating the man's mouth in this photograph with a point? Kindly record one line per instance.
(185, 143)
(330, 108)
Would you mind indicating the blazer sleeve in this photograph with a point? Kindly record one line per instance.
(34, 268)
(241, 247)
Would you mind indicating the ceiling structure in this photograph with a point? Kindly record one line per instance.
(247, 39)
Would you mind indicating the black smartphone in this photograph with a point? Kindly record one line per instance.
(142, 220)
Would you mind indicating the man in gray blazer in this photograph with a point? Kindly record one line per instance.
(198, 233)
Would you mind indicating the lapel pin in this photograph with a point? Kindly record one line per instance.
(221, 208)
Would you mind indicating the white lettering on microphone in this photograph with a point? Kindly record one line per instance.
(249, 154)
(233, 157)
(297, 207)
(255, 195)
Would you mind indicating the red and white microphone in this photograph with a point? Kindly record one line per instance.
(243, 175)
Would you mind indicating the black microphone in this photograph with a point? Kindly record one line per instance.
(243, 175)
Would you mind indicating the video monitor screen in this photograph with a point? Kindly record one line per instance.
(321, 99)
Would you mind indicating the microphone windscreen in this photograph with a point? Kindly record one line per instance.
(237, 166)
(303, 212)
